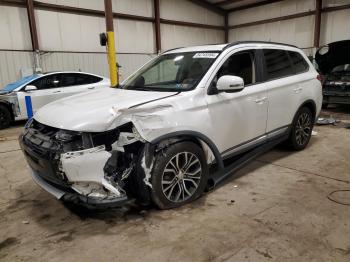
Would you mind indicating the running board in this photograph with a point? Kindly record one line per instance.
(227, 171)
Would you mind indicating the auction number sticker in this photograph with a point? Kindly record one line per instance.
(206, 55)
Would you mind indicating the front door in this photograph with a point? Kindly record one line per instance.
(239, 118)
(48, 90)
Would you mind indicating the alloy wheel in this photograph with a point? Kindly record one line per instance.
(181, 177)
(303, 129)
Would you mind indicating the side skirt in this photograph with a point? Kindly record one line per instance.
(242, 160)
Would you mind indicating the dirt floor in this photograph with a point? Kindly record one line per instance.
(274, 209)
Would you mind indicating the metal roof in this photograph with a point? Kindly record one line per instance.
(224, 6)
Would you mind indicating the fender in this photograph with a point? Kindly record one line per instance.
(196, 135)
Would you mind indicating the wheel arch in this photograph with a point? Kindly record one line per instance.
(310, 104)
(9, 108)
(193, 136)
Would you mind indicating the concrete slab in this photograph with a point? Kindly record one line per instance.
(274, 209)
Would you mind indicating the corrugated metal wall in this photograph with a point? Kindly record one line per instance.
(71, 42)
(298, 31)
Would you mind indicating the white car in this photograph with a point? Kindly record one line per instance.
(180, 124)
(41, 89)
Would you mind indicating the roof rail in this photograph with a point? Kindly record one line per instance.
(166, 51)
(255, 42)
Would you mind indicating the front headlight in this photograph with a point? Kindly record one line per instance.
(65, 136)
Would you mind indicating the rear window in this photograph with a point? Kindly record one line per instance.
(299, 63)
(277, 64)
(72, 79)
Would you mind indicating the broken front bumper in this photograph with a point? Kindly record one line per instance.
(84, 184)
(69, 196)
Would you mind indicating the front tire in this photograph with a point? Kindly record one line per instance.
(5, 117)
(179, 175)
(301, 129)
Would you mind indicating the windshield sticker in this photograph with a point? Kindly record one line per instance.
(206, 55)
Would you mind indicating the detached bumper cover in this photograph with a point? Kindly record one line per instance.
(75, 197)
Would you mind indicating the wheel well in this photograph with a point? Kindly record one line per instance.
(310, 105)
(192, 136)
(9, 108)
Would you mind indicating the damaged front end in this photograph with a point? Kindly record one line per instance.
(95, 169)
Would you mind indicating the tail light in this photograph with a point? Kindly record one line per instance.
(320, 78)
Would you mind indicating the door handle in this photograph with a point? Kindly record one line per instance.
(297, 90)
(260, 100)
(55, 92)
(91, 87)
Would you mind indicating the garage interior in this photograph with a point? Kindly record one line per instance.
(283, 206)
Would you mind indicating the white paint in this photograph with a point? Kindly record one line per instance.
(85, 170)
(243, 113)
(85, 165)
(147, 171)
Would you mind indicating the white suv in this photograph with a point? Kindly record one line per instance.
(180, 124)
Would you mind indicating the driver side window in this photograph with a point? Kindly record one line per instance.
(240, 64)
(46, 82)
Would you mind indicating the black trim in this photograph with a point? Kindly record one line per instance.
(258, 66)
(238, 163)
(257, 144)
(197, 135)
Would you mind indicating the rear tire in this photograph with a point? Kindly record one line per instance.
(5, 117)
(302, 126)
(179, 175)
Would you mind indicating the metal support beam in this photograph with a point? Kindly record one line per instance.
(33, 36)
(32, 25)
(272, 20)
(208, 6)
(111, 52)
(317, 28)
(243, 7)
(226, 27)
(157, 26)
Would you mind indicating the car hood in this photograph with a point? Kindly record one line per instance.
(94, 111)
(334, 54)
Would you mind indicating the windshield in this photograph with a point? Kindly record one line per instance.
(172, 72)
(18, 83)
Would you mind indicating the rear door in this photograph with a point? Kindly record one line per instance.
(283, 90)
(74, 83)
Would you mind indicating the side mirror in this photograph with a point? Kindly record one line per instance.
(30, 88)
(230, 84)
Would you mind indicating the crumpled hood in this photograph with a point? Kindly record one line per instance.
(334, 54)
(94, 111)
